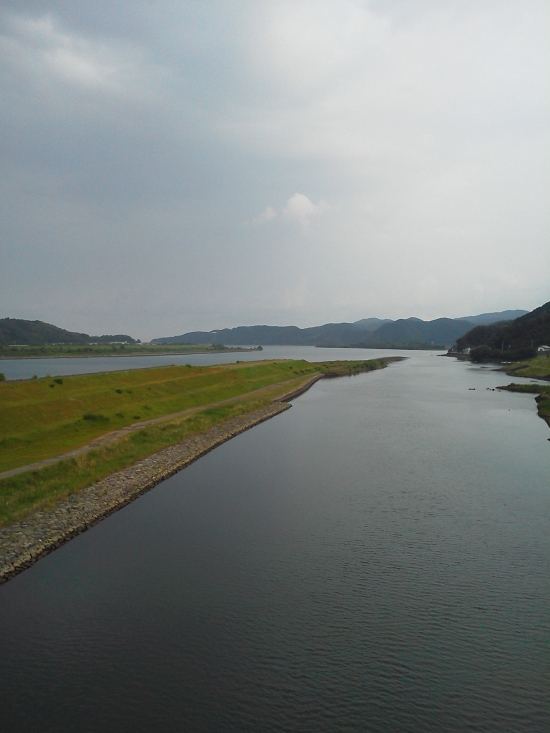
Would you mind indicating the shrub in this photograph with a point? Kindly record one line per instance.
(485, 353)
(92, 416)
(2, 377)
(481, 354)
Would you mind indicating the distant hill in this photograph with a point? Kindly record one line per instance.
(334, 334)
(413, 330)
(487, 318)
(37, 333)
(509, 337)
(374, 332)
(370, 324)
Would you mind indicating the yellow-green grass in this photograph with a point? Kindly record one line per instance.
(44, 418)
(539, 368)
(34, 490)
(49, 418)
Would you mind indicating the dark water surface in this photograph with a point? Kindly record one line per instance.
(374, 559)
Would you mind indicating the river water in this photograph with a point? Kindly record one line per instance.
(374, 559)
(27, 368)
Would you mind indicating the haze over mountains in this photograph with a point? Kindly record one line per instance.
(374, 332)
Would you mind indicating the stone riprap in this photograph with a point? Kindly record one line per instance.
(24, 543)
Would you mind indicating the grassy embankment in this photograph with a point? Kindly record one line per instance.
(68, 350)
(542, 392)
(43, 418)
(539, 368)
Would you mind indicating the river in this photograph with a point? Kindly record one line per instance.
(374, 559)
(27, 368)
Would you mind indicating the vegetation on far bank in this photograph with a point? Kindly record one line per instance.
(515, 340)
(46, 351)
(401, 345)
(538, 368)
(37, 333)
(485, 354)
(43, 418)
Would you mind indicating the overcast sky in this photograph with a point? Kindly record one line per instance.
(173, 165)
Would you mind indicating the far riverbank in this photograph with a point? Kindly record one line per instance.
(119, 353)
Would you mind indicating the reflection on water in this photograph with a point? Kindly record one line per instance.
(372, 560)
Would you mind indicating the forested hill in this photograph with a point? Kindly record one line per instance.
(38, 333)
(413, 330)
(335, 334)
(368, 332)
(526, 332)
(484, 319)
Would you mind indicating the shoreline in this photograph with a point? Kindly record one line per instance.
(236, 350)
(24, 543)
(115, 434)
(512, 369)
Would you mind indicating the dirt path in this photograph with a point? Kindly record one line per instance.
(115, 435)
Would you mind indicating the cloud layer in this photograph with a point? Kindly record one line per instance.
(137, 138)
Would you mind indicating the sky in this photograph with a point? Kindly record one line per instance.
(177, 165)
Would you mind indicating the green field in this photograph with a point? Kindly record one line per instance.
(539, 367)
(48, 351)
(44, 418)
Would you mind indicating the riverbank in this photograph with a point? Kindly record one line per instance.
(45, 418)
(60, 501)
(23, 543)
(542, 397)
(90, 352)
(116, 435)
(538, 368)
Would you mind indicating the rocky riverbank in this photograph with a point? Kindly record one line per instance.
(22, 544)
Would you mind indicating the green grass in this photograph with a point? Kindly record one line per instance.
(539, 368)
(38, 420)
(41, 418)
(34, 490)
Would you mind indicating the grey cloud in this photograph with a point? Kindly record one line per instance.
(136, 139)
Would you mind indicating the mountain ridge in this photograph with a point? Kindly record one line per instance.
(505, 340)
(18, 331)
(362, 333)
